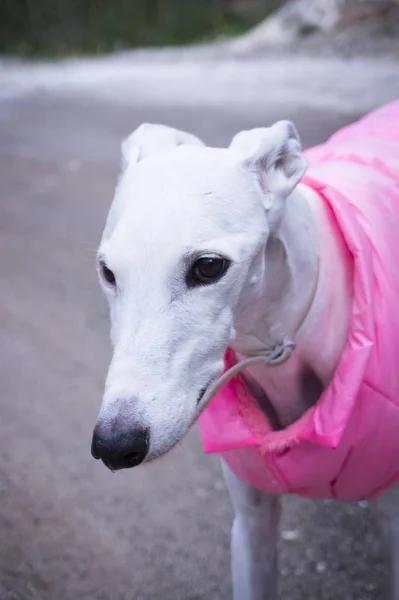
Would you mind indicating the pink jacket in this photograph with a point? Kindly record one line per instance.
(347, 446)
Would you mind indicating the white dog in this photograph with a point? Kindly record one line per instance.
(206, 249)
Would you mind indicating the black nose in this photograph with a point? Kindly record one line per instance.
(120, 449)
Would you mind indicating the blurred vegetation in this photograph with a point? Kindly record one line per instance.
(70, 27)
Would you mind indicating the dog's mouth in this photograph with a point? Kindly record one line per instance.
(202, 393)
(155, 455)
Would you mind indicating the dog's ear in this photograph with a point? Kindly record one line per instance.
(274, 155)
(151, 139)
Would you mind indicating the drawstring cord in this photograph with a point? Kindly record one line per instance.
(278, 356)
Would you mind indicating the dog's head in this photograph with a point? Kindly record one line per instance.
(182, 264)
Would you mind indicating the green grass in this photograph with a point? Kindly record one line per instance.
(53, 28)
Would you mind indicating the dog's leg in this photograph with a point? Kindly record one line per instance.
(254, 540)
(388, 515)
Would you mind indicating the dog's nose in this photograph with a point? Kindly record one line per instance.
(120, 449)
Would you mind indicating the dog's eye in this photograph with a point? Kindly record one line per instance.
(208, 269)
(107, 274)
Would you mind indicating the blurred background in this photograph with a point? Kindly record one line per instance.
(76, 77)
(58, 27)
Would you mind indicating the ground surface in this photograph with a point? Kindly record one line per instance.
(71, 530)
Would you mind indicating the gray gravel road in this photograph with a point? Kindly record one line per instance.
(71, 530)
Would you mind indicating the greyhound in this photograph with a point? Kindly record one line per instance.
(185, 280)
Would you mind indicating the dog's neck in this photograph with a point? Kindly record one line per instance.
(306, 251)
(290, 275)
